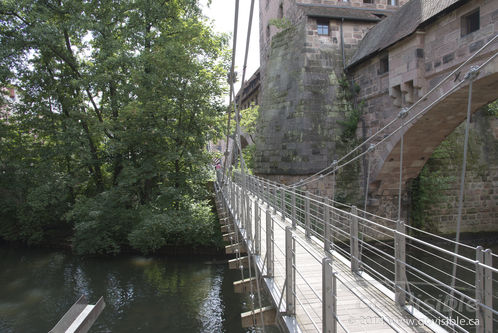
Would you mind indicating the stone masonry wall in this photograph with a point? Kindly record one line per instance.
(268, 10)
(288, 10)
(299, 125)
(416, 64)
(480, 205)
(300, 116)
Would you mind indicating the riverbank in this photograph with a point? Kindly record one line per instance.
(175, 251)
(179, 236)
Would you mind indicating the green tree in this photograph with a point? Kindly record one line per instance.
(118, 101)
(248, 122)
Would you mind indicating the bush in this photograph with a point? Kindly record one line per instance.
(102, 223)
(191, 226)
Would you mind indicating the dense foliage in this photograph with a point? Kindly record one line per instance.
(248, 121)
(117, 101)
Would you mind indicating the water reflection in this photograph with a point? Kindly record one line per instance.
(142, 294)
(211, 311)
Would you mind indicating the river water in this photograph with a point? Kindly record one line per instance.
(142, 294)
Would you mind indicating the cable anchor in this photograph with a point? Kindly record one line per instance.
(371, 147)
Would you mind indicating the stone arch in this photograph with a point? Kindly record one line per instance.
(426, 133)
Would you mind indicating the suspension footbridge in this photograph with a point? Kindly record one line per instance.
(334, 268)
(328, 266)
(331, 267)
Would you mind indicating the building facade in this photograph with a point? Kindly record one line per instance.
(249, 93)
(316, 54)
(301, 72)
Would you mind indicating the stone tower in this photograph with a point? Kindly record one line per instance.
(304, 47)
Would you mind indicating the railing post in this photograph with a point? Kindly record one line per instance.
(326, 226)
(290, 272)
(282, 203)
(249, 217)
(235, 203)
(269, 244)
(241, 208)
(266, 188)
(232, 196)
(257, 229)
(484, 291)
(399, 264)
(329, 304)
(243, 201)
(488, 291)
(293, 208)
(274, 199)
(258, 187)
(353, 240)
(262, 190)
(239, 205)
(307, 220)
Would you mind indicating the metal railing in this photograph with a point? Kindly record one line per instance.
(411, 264)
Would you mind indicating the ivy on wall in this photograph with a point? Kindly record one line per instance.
(348, 184)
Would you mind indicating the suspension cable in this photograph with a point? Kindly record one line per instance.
(231, 79)
(403, 114)
(471, 76)
(233, 99)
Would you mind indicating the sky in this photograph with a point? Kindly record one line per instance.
(222, 13)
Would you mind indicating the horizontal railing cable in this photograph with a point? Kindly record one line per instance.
(379, 257)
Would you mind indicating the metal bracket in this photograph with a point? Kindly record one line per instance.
(334, 165)
(371, 147)
(472, 73)
(403, 113)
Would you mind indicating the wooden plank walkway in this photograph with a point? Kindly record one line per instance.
(362, 306)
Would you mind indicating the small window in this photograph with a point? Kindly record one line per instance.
(393, 2)
(470, 22)
(268, 32)
(322, 27)
(368, 1)
(384, 65)
(281, 11)
(396, 95)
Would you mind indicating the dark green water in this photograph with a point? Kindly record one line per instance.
(142, 294)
